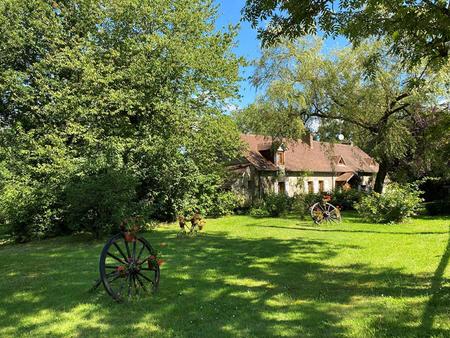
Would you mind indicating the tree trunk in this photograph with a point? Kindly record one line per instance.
(381, 175)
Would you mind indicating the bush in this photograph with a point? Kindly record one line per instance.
(29, 211)
(277, 204)
(272, 205)
(98, 203)
(225, 203)
(302, 202)
(346, 199)
(259, 209)
(394, 206)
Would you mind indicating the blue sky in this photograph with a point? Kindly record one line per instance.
(248, 45)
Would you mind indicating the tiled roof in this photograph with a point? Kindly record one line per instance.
(311, 156)
(345, 177)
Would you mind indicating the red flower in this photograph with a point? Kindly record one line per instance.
(129, 237)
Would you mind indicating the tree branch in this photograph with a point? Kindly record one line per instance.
(321, 114)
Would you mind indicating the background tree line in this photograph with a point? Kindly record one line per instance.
(389, 93)
(398, 116)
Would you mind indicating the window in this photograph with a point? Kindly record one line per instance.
(282, 187)
(267, 154)
(321, 188)
(310, 187)
(280, 156)
(251, 186)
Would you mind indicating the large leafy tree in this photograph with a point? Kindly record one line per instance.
(415, 29)
(362, 93)
(130, 89)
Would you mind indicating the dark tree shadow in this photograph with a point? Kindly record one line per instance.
(440, 294)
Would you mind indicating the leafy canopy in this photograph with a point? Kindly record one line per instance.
(361, 92)
(414, 29)
(106, 91)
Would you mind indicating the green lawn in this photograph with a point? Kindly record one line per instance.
(245, 277)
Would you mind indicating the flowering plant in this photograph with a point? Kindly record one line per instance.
(155, 260)
(131, 226)
(326, 198)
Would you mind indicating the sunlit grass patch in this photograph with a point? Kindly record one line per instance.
(245, 277)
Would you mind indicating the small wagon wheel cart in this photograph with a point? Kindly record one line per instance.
(129, 266)
(325, 212)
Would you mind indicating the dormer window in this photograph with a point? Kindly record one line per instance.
(340, 161)
(280, 157)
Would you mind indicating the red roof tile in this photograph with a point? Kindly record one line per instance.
(319, 157)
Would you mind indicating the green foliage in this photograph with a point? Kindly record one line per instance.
(393, 206)
(226, 203)
(272, 115)
(99, 202)
(29, 210)
(360, 92)
(301, 203)
(345, 199)
(259, 209)
(414, 29)
(272, 205)
(131, 87)
(276, 204)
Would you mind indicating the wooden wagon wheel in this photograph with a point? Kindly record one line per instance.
(325, 212)
(128, 268)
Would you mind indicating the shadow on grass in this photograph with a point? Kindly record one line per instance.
(440, 295)
(213, 286)
(324, 229)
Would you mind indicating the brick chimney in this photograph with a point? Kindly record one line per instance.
(308, 139)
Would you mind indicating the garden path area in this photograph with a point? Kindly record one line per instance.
(244, 277)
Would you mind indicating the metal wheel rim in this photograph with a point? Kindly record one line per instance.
(328, 211)
(136, 279)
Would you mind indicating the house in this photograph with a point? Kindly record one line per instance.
(300, 166)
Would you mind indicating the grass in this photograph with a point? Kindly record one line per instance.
(245, 277)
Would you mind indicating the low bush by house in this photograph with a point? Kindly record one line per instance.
(395, 205)
(274, 205)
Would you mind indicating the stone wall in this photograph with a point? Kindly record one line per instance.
(254, 184)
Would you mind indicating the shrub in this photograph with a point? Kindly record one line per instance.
(259, 209)
(225, 203)
(30, 211)
(346, 199)
(98, 203)
(277, 204)
(272, 205)
(393, 206)
(301, 203)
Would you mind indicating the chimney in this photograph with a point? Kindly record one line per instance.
(308, 139)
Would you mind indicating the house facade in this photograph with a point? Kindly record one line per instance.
(300, 166)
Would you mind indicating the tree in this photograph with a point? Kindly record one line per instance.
(414, 29)
(430, 157)
(362, 93)
(93, 89)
